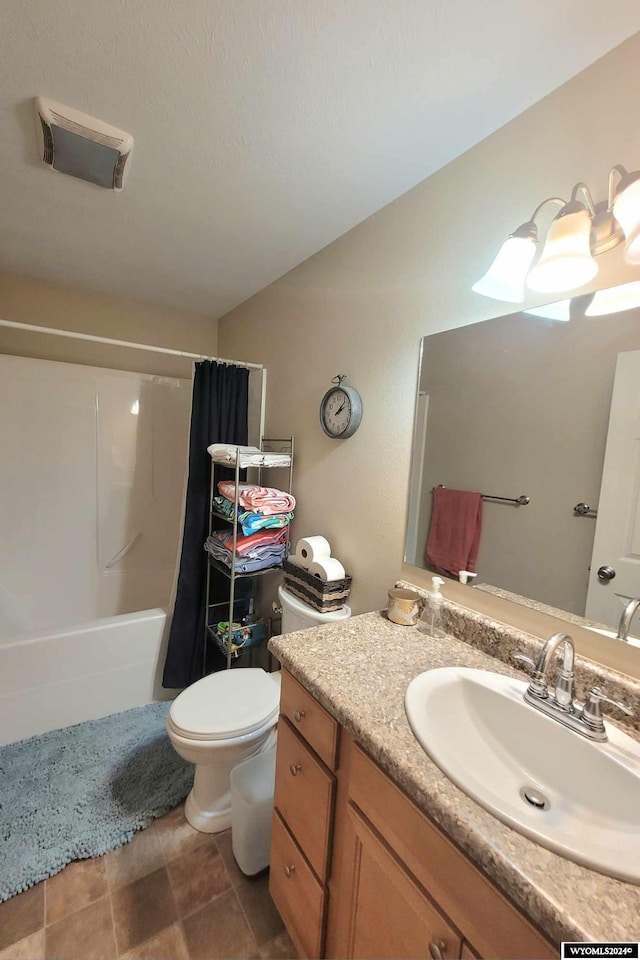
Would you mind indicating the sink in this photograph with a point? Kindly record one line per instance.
(578, 798)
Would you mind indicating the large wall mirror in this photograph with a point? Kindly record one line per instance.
(543, 405)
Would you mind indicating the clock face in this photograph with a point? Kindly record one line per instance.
(337, 412)
(340, 412)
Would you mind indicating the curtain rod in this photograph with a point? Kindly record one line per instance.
(73, 335)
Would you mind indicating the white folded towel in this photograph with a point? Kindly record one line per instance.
(227, 453)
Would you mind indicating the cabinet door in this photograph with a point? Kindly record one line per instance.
(467, 952)
(390, 915)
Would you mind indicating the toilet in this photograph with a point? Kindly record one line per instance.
(297, 615)
(229, 716)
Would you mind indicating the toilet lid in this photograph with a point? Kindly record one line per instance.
(226, 704)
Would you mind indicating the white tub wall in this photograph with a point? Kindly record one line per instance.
(87, 672)
(81, 474)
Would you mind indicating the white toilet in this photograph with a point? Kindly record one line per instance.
(229, 716)
(297, 615)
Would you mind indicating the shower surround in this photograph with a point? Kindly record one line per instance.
(91, 481)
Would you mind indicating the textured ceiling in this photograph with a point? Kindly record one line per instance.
(264, 129)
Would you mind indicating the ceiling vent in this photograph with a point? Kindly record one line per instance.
(81, 146)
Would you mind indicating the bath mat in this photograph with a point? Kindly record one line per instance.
(77, 792)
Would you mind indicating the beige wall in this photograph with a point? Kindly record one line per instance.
(361, 305)
(27, 300)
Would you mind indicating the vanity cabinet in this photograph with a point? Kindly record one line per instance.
(357, 870)
(303, 817)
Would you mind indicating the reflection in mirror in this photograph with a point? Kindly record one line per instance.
(529, 405)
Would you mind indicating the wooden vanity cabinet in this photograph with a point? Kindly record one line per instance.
(303, 815)
(358, 871)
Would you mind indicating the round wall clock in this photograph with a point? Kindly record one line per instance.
(340, 410)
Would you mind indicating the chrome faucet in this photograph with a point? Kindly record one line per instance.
(586, 719)
(538, 689)
(626, 618)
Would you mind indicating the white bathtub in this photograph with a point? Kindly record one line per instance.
(64, 676)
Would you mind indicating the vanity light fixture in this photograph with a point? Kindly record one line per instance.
(580, 232)
(560, 310)
(626, 296)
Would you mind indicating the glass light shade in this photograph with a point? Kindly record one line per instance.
(560, 310)
(626, 210)
(626, 296)
(566, 261)
(504, 280)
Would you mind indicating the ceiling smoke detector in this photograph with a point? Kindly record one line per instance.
(81, 146)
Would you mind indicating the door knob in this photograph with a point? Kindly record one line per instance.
(606, 573)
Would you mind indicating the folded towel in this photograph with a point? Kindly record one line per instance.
(228, 453)
(251, 521)
(250, 545)
(257, 558)
(454, 534)
(264, 500)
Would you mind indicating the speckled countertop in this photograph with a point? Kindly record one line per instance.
(359, 670)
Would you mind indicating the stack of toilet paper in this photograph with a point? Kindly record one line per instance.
(313, 554)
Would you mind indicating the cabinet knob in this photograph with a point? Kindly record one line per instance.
(289, 871)
(437, 949)
(294, 769)
(298, 715)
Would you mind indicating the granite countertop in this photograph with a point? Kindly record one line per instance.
(358, 670)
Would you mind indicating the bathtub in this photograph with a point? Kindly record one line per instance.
(63, 676)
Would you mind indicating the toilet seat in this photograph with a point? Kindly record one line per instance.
(225, 705)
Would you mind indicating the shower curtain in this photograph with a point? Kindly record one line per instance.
(219, 414)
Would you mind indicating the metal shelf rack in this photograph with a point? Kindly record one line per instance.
(267, 445)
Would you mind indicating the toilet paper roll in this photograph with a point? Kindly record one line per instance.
(310, 549)
(327, 570)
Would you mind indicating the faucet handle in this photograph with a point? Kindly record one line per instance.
(596, 696)
(537, 688)
(523, 658)
(592, 715)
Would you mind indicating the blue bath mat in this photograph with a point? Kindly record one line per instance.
(80, 791)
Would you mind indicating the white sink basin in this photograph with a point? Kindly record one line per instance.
(478, 729)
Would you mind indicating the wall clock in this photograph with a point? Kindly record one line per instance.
(340, 410)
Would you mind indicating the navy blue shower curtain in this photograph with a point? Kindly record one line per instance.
(219, 414)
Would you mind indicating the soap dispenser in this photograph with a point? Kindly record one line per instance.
(435, 600)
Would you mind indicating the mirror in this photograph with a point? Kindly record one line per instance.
(519, 406)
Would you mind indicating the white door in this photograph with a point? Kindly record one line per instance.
(617, 537)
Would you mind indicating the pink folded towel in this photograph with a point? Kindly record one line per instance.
(454, 534)
(264, 500)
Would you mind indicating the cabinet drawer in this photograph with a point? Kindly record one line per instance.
(482, 914)
(295, 891)
(309, 719)
(304, 796)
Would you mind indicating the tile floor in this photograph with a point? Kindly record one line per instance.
(170, 894)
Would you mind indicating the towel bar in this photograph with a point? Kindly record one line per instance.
(520, 501)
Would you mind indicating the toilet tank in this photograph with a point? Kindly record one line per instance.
(297, 615)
